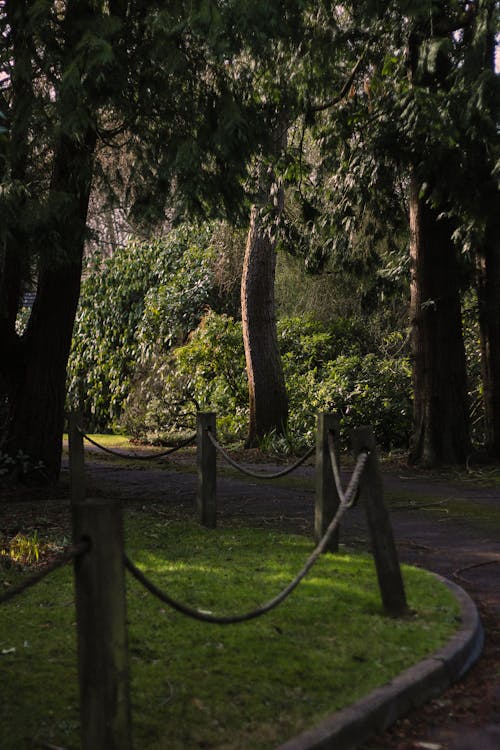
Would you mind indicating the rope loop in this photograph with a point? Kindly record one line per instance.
(69, 554)
(136, 456)
(347, 498)
(204, 616)
(256, 474)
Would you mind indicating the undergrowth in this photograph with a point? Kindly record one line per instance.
(197, 685)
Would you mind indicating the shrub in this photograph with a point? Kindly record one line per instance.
(207, 373)
(324, 371)
(134, 305)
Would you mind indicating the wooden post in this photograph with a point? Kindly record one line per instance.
(206, 497)
(76, 458)
(382, 539)
(101, 627)
(327, 499)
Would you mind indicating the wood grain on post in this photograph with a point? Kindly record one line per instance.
(101, 627)
(381, 535)
(206, 496)
(327, 499)
(76, 458)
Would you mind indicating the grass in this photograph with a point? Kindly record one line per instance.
(110, 441)
(196, 685)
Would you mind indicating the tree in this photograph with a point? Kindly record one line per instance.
(478, 74)
(33, 366)
(80, 77)
(441, 428)
(268, 402)
(401, 127)
(440, 413)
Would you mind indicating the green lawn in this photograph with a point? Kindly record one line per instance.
(197, 685)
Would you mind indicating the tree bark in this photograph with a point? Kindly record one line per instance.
(14, 255)
(488, 290)
(35, 370)
(36, 414)
(441, 428)
(488, 254)
(268, 401)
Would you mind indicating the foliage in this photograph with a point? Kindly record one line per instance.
(19, 467)
(145, 298)
(206, 373)
(23, 549)
(326, 368)
(362, 387)
(286, 664)
(472, 344)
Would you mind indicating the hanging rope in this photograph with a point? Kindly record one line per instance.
(136, 456)
(198, 614)
(256, 474)
(349, 496)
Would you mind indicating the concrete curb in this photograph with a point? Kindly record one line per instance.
(347, 728)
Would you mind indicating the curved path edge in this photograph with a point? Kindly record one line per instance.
(350, 726)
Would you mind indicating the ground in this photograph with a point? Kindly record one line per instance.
(451, 527)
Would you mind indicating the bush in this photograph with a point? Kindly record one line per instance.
(325, 370)
(134, 307)
(207, 373)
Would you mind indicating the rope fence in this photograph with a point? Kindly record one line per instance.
(67, 556)
(76, 436)
(100, 563)
(256, 474)
(320, 548)
(350, 495)
(138, 456)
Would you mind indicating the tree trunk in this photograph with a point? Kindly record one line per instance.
(14, 256)
(488, 286)
(268, 400)
(36, 415)
(441, 429)
(488, 255)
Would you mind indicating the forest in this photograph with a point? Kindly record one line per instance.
(266, 210)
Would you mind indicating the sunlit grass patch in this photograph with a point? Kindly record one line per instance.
(108, 440)
(200, 685)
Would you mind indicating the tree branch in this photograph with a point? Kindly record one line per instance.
(344, 90)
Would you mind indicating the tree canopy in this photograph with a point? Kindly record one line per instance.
(391, 109)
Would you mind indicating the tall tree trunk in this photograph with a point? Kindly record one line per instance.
(266, 384)
(488, 289)
(37, 405)
(14, 254)
(441, 432)
(488, 254)
(37, 373)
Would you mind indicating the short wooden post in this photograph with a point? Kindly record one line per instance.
(76, 458)
(382, 539)
(206, 497)
(101, 627)
(327, 499)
